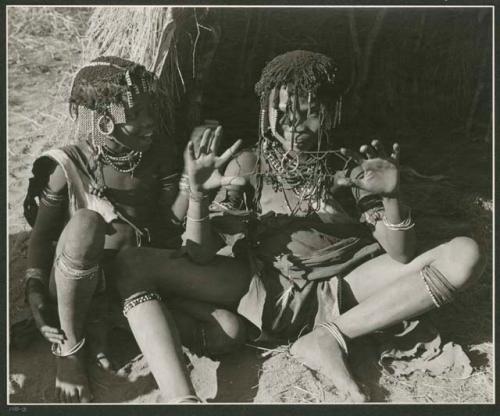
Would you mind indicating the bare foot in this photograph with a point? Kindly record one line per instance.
(72, 384)
(319, 351)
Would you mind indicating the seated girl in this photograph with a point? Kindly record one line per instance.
(303, 270)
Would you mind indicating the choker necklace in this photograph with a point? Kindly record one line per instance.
(124, 163)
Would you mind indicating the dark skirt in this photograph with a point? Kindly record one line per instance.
(297, 265)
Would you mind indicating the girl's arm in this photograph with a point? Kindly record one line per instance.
(203, 168)
(399, 243)
(379, 175)
(47, 229)
(49, 223)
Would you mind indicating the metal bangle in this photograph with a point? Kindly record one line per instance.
(56, 349)
(404, 225)
(335, 332)
(198, 219)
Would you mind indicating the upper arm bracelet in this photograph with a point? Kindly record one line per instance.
(52, 199)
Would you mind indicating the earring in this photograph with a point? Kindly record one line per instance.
(73, 111)
(105, 125)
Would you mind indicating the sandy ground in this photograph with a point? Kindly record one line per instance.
(40, 68)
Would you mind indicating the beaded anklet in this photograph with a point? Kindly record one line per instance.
(137, 300)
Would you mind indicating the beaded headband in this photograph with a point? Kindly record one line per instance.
(101, 120)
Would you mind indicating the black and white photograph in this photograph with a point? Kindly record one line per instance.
(214, 204)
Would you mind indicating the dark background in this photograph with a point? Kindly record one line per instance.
(419, 76)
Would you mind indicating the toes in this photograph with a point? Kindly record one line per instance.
(85, 395)
(73, 397)
(57, 395)
(356, 397)
(63, 397)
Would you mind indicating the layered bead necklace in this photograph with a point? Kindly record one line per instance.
(124, 163)
(305, 177)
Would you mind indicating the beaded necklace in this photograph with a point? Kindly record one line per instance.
(302, 176)
(126, 163)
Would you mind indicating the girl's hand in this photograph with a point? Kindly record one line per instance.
(381, 172)
(203, 166)
(43, 313)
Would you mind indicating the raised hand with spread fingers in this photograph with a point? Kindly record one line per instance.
(203, 166)
(381, 172)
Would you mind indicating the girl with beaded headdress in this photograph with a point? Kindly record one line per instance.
(115, 188)
(303, 269)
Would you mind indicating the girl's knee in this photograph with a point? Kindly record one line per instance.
(84, 236)
(461, 261)
(89, 220)
(227, 333)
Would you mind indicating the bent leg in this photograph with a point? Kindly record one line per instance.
(155, 332)
(388, 293)
(76, 276)
(404, 294)
(223, 281)
(206, 329)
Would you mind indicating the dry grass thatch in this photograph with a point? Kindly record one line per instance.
(141, 34)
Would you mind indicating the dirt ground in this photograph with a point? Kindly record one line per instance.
(44, 50)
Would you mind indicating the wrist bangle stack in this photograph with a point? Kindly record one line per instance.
(184, 184)
(404, 225)
(197, 196)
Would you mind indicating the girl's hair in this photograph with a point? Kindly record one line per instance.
(104, 82)
(303, 72)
